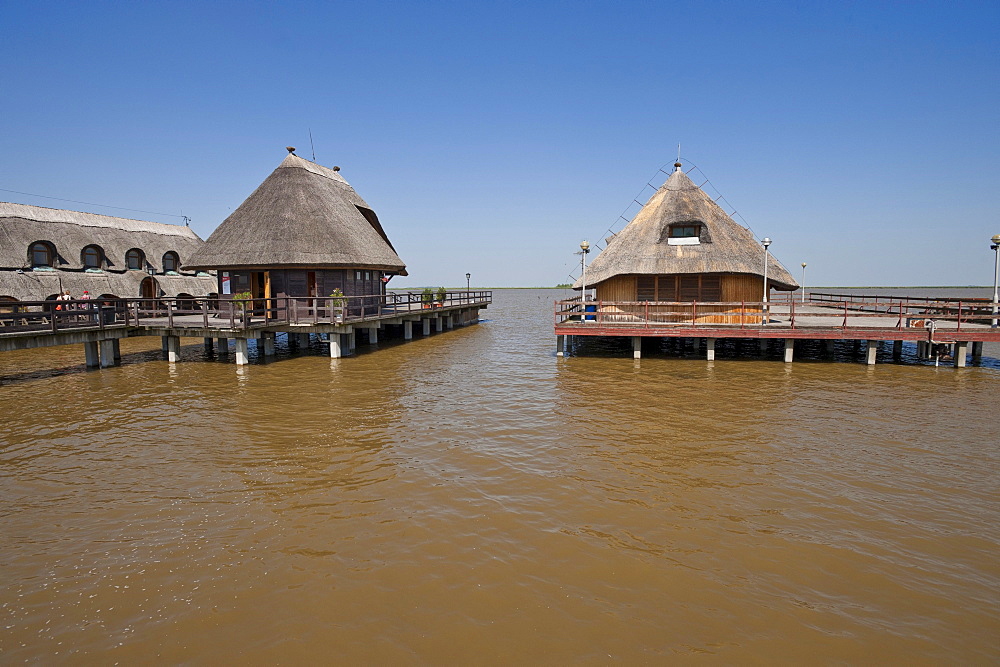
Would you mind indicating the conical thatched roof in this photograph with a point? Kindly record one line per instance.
(725, 246)
(301, 215)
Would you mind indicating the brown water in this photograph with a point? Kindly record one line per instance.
(471, 498)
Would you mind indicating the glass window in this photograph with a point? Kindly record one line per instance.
(686, 230)
(170, 261)
(134, 259)
(93, 258)
(41, 254)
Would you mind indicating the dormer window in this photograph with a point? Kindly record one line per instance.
(134, 259)
(42, 253)
(684, 233)
(170, 262)
(93, 257)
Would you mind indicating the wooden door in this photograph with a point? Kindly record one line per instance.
(149, 289)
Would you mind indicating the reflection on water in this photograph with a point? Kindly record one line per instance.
(470, 497)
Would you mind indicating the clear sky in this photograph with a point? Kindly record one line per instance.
(492, 138)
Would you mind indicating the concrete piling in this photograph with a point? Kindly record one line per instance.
(93, 360)
(961, 349)
(242, 352)
(173, 345)
(871, 352)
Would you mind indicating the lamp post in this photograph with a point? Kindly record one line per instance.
(803, 282)
(996, 273)
(584, 249)
(767, 242)
(468, 277)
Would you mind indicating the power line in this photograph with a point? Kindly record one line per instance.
(87, 203)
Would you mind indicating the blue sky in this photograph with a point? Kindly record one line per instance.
(492, 138)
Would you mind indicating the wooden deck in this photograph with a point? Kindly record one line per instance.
(25, 325)
(925, 321)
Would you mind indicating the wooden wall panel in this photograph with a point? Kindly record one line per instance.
(742, 287)
(618, 288)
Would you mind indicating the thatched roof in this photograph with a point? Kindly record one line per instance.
(302, 215)
(642, 248)
(39, 285)
(71, 231)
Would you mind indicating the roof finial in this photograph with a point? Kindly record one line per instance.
(677, 165)
(336, 168)
(290, 149)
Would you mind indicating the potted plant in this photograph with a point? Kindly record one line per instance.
(338, 302)
(442, 293)
(427, 297)
(241, 303)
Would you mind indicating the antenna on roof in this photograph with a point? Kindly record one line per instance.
(678, 152)
(187, 221)
(311, 144)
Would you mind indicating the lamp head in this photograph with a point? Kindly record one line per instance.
(766, 242)
(996, 239)
(585, 246)
(803, 265)
(468, 275)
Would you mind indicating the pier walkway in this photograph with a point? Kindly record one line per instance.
(101, 323)
(931, 323)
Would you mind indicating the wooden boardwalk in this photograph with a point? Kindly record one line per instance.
(930, 323)
(100, 325)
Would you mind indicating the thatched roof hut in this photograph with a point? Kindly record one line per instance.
(302, 215)
(87, 251)
(682, 232)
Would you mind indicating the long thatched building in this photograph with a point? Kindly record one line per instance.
(46, 251)
(304, 232)
(682, 247)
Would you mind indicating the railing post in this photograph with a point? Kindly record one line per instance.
(845, 315)
(959, 327)
(791, 313)
(694, 312)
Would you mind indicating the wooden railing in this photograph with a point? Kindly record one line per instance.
(221, 312)
(854, 313)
